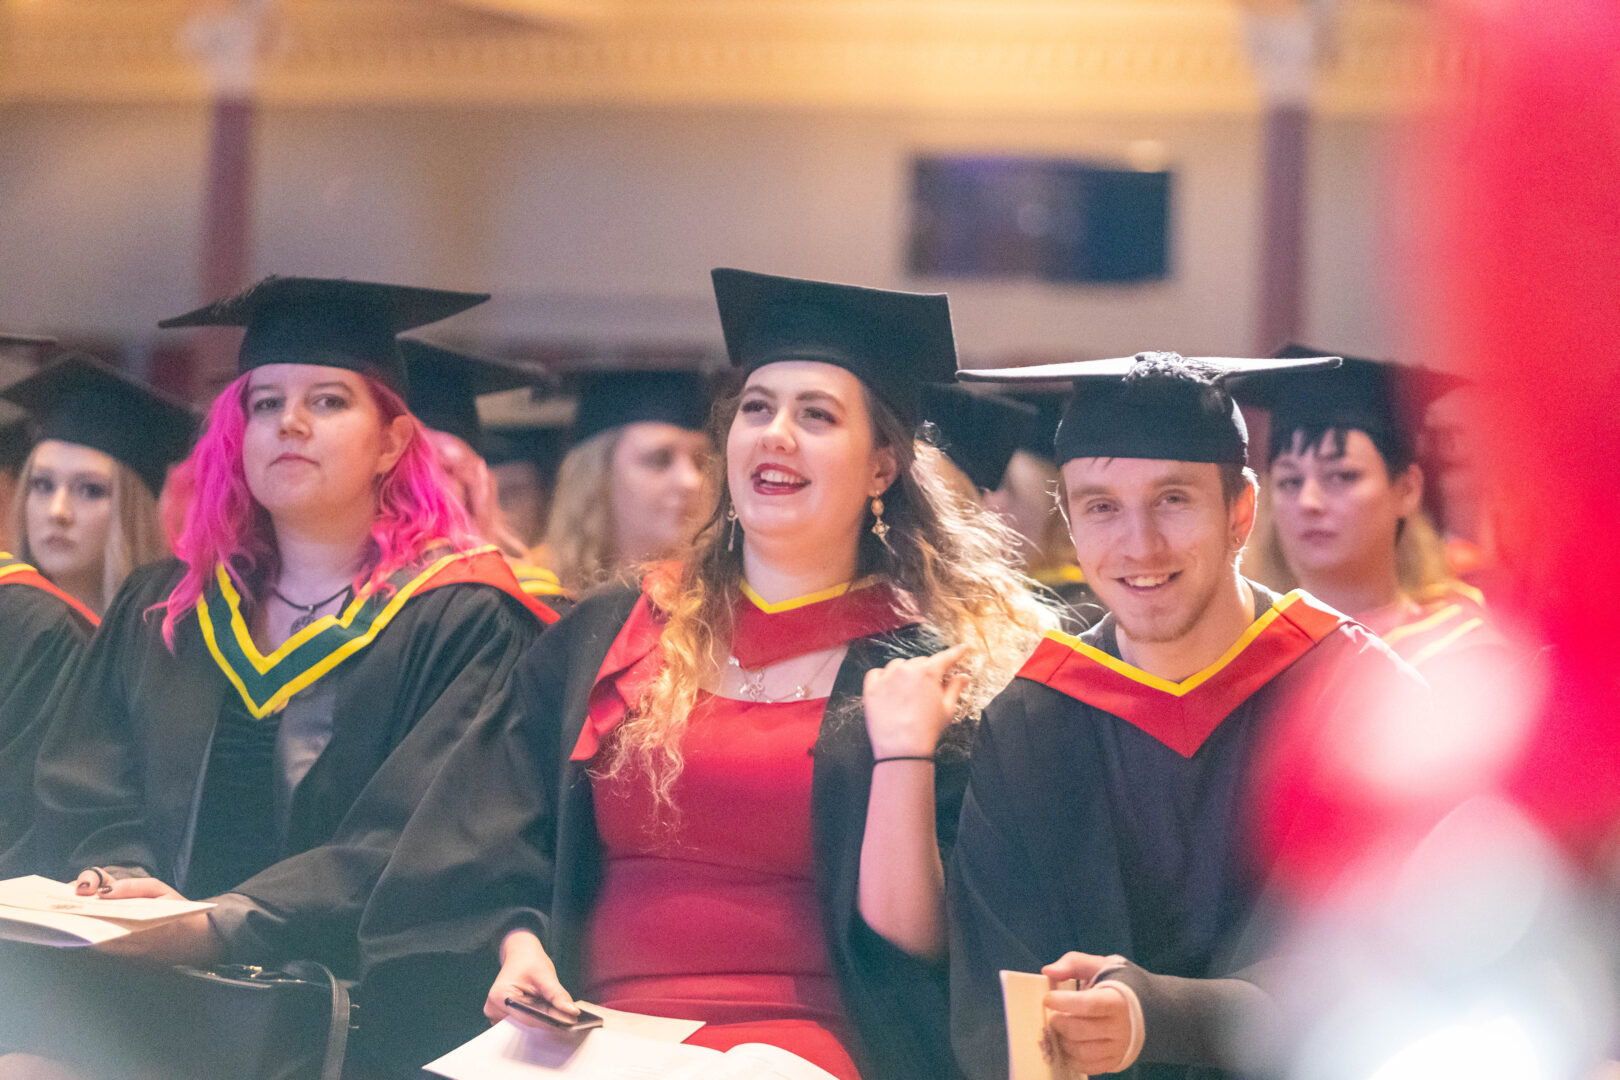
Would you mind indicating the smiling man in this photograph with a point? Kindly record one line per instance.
(1108, 834)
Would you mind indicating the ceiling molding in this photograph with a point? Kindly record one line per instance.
(1040, 56)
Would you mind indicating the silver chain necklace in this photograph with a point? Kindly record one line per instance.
(753, 682)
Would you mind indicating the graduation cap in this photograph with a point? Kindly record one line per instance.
(36, 342)
(329, 321)
(892, 341)
(608, 399)
(1382, 398)
(443, 387)
(1158, 405)
(16, 442)
(1036, 437)
(79, 399)
(16, 435)
(539, 445)
(979, 432)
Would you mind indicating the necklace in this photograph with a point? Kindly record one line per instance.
(308, 610)
(753, 682)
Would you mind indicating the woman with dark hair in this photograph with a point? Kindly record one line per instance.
(729, 792)
(1343, 507)
(258, 717)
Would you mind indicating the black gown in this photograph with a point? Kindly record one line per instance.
(507, 837)
(126, 765)
(41, 637)
(1082, 831)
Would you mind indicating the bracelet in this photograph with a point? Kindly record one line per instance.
(903, 757)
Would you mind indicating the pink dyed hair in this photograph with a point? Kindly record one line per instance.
(213, 520)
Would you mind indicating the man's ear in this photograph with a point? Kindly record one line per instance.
(1241, 515)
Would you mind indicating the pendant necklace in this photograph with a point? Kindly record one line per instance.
(753, 682)
(308, 610)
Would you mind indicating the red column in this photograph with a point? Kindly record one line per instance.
(227, 231)
(1283, 194)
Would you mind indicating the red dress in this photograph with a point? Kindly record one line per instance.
(713, 916)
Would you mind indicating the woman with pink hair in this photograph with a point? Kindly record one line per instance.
(259, 716)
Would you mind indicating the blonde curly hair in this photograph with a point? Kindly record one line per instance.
(950, 560)
(580, 544)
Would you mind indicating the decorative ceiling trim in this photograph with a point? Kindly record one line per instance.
(1011, 55)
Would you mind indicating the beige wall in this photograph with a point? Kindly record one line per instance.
(601, 224)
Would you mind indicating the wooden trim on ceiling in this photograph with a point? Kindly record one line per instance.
(972, 56)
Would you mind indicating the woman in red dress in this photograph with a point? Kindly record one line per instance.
(731, 792)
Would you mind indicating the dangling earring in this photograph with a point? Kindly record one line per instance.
(731, 516)
(880, 528)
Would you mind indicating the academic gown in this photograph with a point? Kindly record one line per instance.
(508, 837)
(1083, 830)
(42, 632)
(1451, 639)
(122, 771)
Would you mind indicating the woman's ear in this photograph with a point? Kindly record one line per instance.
(1409, 490)
(396, 436)
(886, 469)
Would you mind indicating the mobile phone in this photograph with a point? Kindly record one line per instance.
(544, 1010)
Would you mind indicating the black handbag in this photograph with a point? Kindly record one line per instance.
(121, 1018)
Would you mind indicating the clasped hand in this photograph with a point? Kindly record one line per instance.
(1091, 1028)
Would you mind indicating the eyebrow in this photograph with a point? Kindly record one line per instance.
(50, 474)
(803, 395)
(339, 383)
(1168, 480)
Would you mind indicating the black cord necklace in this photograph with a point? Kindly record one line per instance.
(308, 610)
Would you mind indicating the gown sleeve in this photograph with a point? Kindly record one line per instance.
(1000, 914)
(457, 669)
(87, 783)
(40, 642)
(479, 856)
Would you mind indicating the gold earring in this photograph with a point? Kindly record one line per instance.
(880, 528)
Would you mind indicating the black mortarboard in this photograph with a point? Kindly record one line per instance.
(16, 435)
(79, 399)
(26, 341)
(894, 342)
(1384, 399)
(16, 441)
(330, 321)
(1157, 405)
(608, 399)
(444, 386)
(1037, 436)
(543, 446)
(979, 432)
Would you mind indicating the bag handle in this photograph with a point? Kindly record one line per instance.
(337, 1033)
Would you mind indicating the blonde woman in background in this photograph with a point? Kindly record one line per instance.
(83, 516)
(86, 508)
(631, 489)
